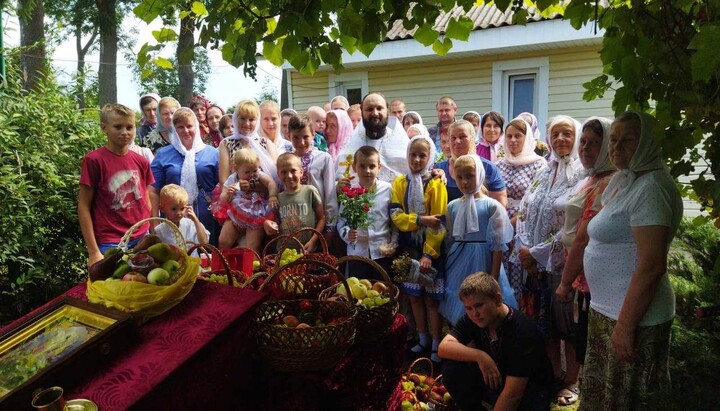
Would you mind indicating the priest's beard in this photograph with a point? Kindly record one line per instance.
(375, 128)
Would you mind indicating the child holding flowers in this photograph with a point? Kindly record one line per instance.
(418, 207)
(364, 222)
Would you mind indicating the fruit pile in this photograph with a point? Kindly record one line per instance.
(307, 318)
(288, 256)
(150, 261)
(220, 279)
(419, 389)
(369, 295)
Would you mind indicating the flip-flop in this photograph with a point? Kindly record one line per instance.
(568, 396)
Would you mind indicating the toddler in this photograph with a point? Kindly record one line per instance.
(174, 204)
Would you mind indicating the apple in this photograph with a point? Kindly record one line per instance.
(353, 281)
(372, 293)
(158, 276)
(447, 398)
(171, 266)
(366, 283)
(379, 287)
(302, 325)
(358, 291)
(135, 277)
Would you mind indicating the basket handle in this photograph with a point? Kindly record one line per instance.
(419, 360)
(314, 231)
(252, 278)
(204, 247)
(285, 237)
(179, 239)
(303, 261)
(366, 260)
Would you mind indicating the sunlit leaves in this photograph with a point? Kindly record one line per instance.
(425, 35)
(149, 10)
(163, 62)
(165, 35)
(442, 47)
(272, 51)
(459, 29)
(706, 60)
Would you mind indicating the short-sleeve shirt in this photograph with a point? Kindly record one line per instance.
(120, 194)
(611, 255)
(518, 351)
(493, 179)
(297, 210)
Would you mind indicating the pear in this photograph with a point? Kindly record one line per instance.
(353, 281)
(104, 268)
(146, 242)
(160, 252)
(366, 283)
(158, 276)
(122, 269)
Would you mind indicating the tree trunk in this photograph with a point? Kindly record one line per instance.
(107, 72)
(81, 73)
(32, 37)
(185, 56)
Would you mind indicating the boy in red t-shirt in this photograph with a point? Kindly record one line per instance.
(113, 186)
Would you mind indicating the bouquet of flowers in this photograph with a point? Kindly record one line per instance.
(356, 203)
(407, 269)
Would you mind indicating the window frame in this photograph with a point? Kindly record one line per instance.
(337, 83)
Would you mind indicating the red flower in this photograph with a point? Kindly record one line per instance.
(366, 208)
(345, 189)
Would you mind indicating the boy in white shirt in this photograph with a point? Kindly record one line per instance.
(173, 203)
(379, 240)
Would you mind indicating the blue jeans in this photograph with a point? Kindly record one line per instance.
(132, 243)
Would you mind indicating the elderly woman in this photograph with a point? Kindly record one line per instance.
(462, 142)
(535, 258)
(625, 263)
(338, 129)
(490, 145)
(190, 163)
(520, 163)
(160, 136)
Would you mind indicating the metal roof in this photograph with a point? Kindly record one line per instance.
(483, 17)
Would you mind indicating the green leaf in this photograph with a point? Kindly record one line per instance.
(291, 48)
(459, 29)
(149, 10)
(367, 48)
(165, 35)
(163, 62)
(272, 51)
(520, 17)
(348, 43)
(705, 61)
(425, 35)
(198, 8)
(596, 88)
(441, 47)
(233, 54)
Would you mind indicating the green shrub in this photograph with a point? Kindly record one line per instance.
(43, 138)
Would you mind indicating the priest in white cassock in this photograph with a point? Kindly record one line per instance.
(391, 143)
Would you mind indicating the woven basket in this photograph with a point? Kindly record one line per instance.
(269, 259)
(324, 255)
(205, 272)
(372, 323)
(255, 281)
(304, 349)
(439, 406)
(422, 395)
(301, 279)
(145, 301)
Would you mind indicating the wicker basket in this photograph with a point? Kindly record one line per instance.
(372, 323)
(269, 259)
(421, 394)
(233, 276)
(304, 349)
(144, 301)
(301, 279)
(255, 281)
(324, 256)
(441, 406)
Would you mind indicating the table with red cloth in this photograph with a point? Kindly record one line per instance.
(192, 357)
(363, 380)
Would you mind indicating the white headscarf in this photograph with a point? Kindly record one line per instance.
(466, 219)
(533, 123)
(647, 157)
(154, 97)
(267, 163)
(160, 126)
(416, 198)
(421, 129)
(188, 175)
(602, 163)
(527, 154)
(414, 113)
(478, 132)
(568, 166)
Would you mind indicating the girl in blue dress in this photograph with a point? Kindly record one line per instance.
(478, 232)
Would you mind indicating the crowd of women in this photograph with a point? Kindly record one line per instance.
(576, 232)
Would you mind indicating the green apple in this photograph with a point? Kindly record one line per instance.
(171, 266)
(358, 291)
(366, 283)
(122, 269)
(158, 276)
(353, 281)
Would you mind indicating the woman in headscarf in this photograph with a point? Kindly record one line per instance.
(338, 129)
(160, 136)
(474, 118)
(478, 233)
(270, 126)
(625, 263)
(520, 163)
(541, 214)
(490, 145)
(214, 115)
(410, 118)
(190, 163)
(148, 108)
(200, 105)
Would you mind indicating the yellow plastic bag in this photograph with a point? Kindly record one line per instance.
(144, 301)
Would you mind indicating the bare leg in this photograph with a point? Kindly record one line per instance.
(418, 309)
(228, 235)
(434, 318)
(254, 238)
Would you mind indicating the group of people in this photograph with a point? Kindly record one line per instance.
(513, 234)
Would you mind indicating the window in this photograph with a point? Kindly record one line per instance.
(351, 85)
(521, 85)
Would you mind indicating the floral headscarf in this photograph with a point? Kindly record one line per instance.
(345, 130)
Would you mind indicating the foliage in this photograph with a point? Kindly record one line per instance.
(43, 139)
(355, 203)
(164, 79)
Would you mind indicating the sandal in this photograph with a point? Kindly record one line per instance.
(568, 395)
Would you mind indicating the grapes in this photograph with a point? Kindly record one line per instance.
(288, 256)
(220, 279)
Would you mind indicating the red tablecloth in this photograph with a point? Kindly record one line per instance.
(192, 357)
